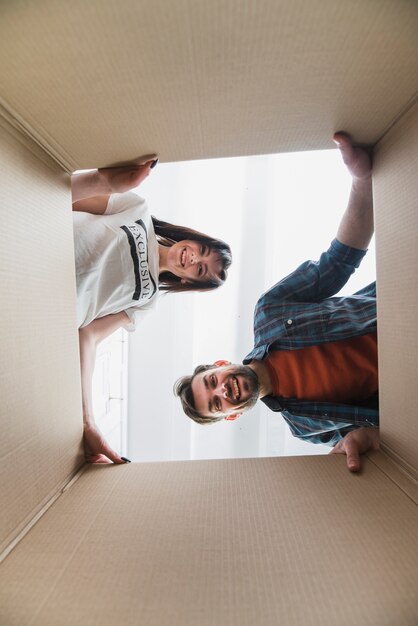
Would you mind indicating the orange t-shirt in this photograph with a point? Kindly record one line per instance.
(339, 371)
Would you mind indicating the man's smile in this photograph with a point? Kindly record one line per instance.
(233, 389)
(222, 390)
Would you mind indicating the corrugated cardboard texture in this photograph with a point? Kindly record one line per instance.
(98, 82)
(40, 413)
(266, 541)
(396, 193)
(394, 468)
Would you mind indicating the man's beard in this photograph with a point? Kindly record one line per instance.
(250, 377)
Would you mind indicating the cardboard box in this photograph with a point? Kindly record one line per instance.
(265, 541)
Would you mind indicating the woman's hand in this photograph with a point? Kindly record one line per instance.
(107, 180)
(96, 448)
(120, 179)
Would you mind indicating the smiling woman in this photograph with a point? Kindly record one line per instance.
(124, 257)
(189, 259)
(192, 261)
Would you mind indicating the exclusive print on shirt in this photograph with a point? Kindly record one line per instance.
(137, 235)
(117, 260)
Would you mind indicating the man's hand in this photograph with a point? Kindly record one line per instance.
(355, 443)
(121, 179)
(96, 449)
(356, 158)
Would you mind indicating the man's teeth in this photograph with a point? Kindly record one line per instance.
(235, 388)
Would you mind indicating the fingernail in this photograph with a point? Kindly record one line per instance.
(154, 163)
(125, 459)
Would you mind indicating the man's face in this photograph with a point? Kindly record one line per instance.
(225, 390)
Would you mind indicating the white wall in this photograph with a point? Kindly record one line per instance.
(275, 212)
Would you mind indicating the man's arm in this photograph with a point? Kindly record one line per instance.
(356, 227)
(354, 444)
(96, 448)
(314, 281)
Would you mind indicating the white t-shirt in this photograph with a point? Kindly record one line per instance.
(117, 260)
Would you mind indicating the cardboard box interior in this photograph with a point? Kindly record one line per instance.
(41, 421)
(226, 542)
(395, 189)
(254, 541)
(99, 82)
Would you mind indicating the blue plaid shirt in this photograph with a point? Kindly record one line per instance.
(299, 311)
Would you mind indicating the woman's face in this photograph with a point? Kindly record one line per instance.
(191, 261)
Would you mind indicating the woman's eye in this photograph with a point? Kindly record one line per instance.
(199, 269)
(213, 381)
(203, 250)
(218, 405)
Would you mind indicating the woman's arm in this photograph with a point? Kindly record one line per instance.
(105, 181)
(96, 448)
(96, 204)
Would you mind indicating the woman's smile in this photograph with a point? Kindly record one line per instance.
(191, 260)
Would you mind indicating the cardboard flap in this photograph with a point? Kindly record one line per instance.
(395, 187)
(255, 541)
(98, 82)
(40, 414)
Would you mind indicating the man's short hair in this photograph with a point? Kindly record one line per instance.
(183, 389)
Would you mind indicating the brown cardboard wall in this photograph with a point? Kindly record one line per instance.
(98, 82)
(40, 414)
(269, 541)
(241, 542)
(395, 193)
